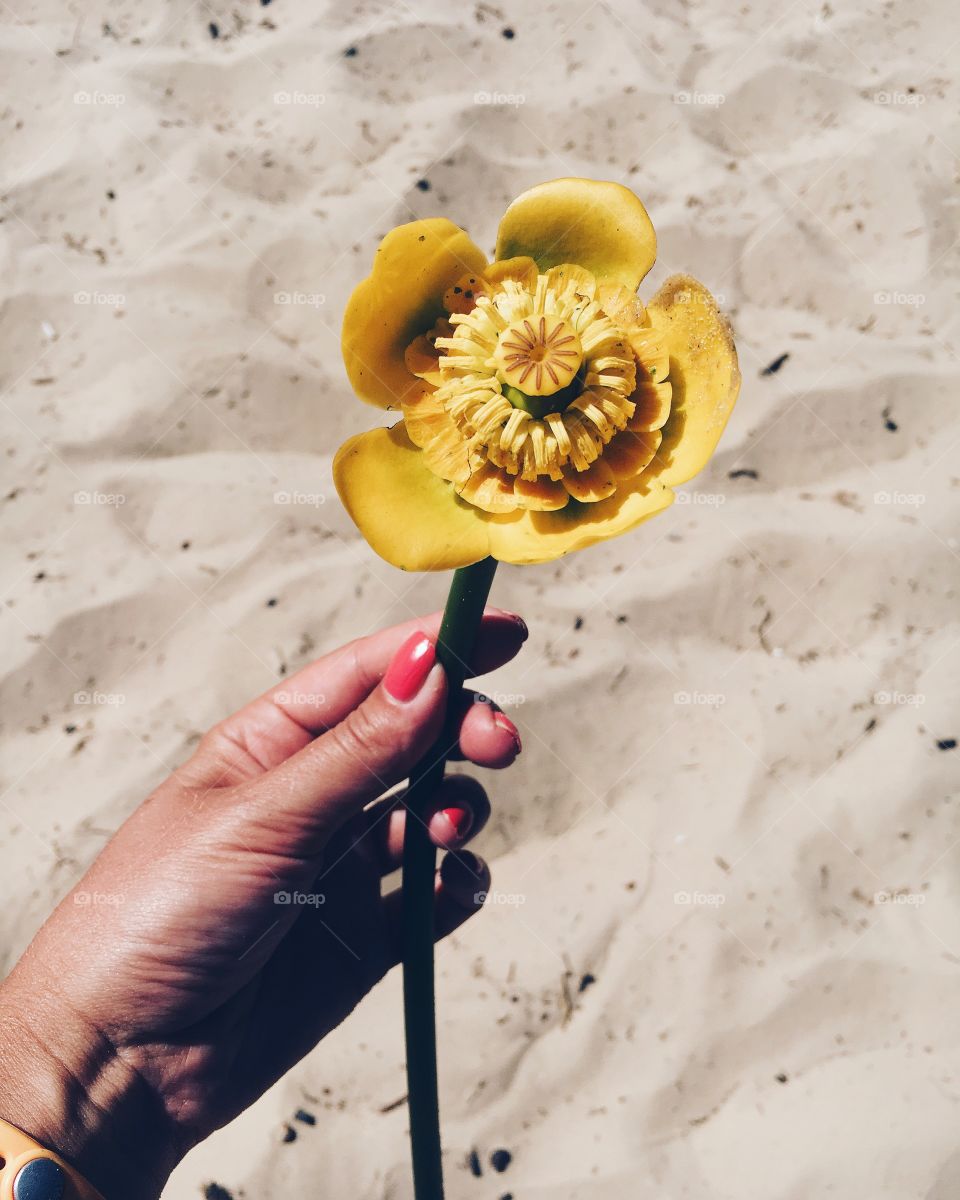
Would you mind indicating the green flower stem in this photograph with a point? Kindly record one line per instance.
(458, 633)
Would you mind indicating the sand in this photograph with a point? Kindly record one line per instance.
(722, 957)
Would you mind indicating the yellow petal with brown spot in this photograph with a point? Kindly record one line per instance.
(400, 299)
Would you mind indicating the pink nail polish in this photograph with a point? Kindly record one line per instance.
(502, 721)
(461, 819)
(410, 667)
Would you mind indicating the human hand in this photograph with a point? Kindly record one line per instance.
(179, 979)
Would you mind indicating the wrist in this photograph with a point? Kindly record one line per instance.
(62, 1084)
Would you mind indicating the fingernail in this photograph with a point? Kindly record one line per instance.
(502, 721)
(515, 617)
(461, 821)
(410, 667)
(466, 877)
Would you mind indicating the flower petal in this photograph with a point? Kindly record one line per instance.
(653, 406)
(597, 225)
(630, 453)
(410, 516)
(399, 299)
(596, 483)
(523, 269)
(704, 374)
(536, 537)
(490, 489)
(544, 495)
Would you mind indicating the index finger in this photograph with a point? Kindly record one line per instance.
(287, 717)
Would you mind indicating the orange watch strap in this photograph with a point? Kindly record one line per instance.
(18, 1150)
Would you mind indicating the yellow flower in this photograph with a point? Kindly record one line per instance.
(545, 407)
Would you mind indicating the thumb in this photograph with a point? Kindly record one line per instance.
(298, 805)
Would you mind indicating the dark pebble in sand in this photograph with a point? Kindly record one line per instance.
(891, 425)
(501, 1159)
(272, 602)
(743, 473)
(423, 185)
(289, 1134)
(350, 52)
(214, 29)
(781, 1078)
(578, 623)
(306, 1118)
(947, 744)
(473, 1162)
(774, 367)
(508, 33)
(111, 194)
(586, 981)
(213, 1191)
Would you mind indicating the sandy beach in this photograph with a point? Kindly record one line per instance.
(721, 957)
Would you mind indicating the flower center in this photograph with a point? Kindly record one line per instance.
(539, 354)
